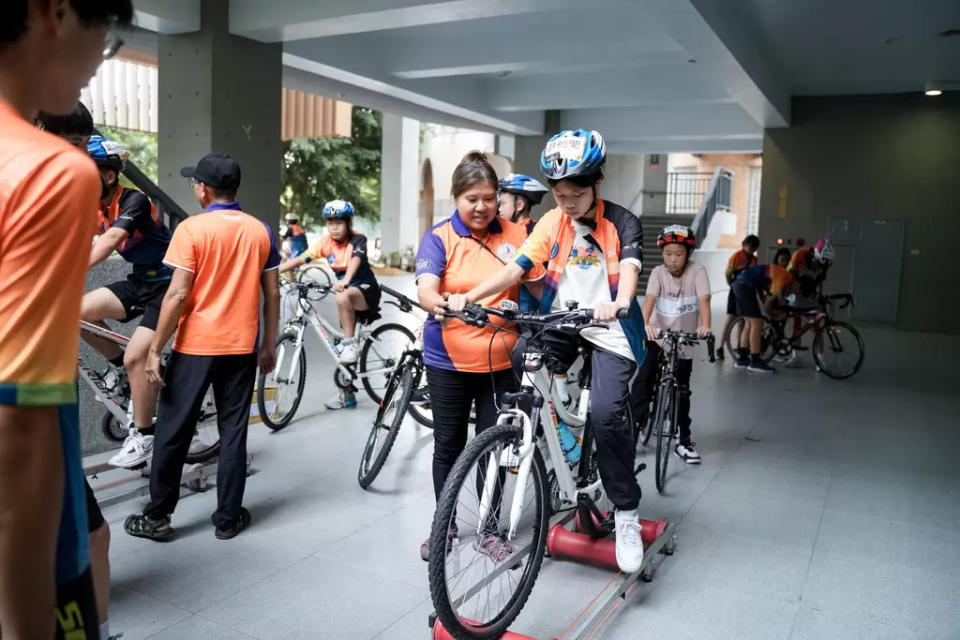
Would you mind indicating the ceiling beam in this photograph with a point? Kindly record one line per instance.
(169, 17)
(752, 144)
(643, 123)
(712, 31)
(303, 19)
(669, 84)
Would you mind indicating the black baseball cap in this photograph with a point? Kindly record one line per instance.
(215, 170)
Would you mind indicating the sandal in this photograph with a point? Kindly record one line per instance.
(143, 526)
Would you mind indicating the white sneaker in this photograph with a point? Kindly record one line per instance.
(136, 450)
(342, 400)
(687, 453)
(629, 544)
(350, 353)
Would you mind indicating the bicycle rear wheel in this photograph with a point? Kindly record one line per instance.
(386, 426)
(838, 350)
(206, 440)
(279, 392)
(478, 581)
(736, 339)
(663, 424)
(381, 352)
(112, 428)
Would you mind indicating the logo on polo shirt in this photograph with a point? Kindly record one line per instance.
(555, 250)
(332, 258)
(506, 251)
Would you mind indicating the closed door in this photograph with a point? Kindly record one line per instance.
(876, 278)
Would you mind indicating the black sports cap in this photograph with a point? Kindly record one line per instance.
(215, 170)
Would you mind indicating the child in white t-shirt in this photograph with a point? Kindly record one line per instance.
(678, 298)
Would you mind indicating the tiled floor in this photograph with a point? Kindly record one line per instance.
(823, 509)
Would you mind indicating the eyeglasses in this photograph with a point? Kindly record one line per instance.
(111, 44)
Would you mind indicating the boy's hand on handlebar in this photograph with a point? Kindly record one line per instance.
(606, 311)
(652, 332)
(339, 287)
(703, 332)
(456, 302)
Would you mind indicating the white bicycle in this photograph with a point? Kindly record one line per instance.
(279, 393)
(492, 516)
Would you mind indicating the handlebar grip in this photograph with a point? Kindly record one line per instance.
(712, 348)
(623, 313)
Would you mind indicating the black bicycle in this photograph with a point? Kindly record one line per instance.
(663, 416)
(405, 392)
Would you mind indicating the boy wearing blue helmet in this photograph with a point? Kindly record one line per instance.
(356, 288)
(593, 250)
(518, 195)
(129, 224)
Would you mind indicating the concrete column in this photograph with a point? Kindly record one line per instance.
(506, 146)
(221, 93)
(399, 183)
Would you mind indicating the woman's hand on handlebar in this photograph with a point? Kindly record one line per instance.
(703, 332)
(652, 332)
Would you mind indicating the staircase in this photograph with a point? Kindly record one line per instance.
(652, 226)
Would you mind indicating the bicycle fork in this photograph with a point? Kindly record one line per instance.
(522, 459)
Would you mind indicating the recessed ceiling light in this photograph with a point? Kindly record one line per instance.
(932, 92)
(503, 74)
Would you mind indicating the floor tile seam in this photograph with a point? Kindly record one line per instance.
(166, 604)
(399, 618)
(373, 522)
(813, 552)
(247, 587)
(366, 569)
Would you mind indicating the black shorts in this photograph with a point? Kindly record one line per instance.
(140, 298)
(371, 295)
(731, 303)
(94, 515)
(747, 304)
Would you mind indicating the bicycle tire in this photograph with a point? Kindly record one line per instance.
(285, 342)
(446, 505)
(397, 396)
(648, 428)
(316, 275)
(206, 424)
(421, 412)
(112, 429)
(768, 339)
(666, 407)
(376, 337)
(818, 340)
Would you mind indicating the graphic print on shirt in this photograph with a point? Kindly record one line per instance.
(585, 256)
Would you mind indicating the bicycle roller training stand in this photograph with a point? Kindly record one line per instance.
(588, 541)
(122, 484)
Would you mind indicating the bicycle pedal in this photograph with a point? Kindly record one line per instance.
(640, 468)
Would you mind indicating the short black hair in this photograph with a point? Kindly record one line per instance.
(780, 252)
(752, 241)
(582, 181)
(224, 194)
(13, 15)
(78, 122)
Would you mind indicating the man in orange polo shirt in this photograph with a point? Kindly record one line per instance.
(222, 259)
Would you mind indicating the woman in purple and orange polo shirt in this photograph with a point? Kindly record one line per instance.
(456, 255)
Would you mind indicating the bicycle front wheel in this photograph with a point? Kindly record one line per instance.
(206, 439)
(838, 350)
(112, 428)
(420, 402)
(480, 578)
(663, 424)
(279, 392)
(381, 352)
(386, 426)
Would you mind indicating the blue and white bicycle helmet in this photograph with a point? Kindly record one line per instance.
(570, 154)
(107, 153)
(525, 186)
(338, 210)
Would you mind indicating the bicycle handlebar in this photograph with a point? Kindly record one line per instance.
(402, 302)
(477, 315)
(691, 339)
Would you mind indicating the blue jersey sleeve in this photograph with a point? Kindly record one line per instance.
(432, 256)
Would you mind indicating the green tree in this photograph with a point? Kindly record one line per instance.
(318, 170)
(141, 146)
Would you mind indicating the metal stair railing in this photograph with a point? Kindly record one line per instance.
(717, 198)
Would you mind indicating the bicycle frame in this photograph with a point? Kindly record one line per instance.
(308, 316)
(103, 396)
(522, 458)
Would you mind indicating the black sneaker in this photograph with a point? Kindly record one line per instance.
(741, 363)
(225, 533)
(720, 355)
(759, 366)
